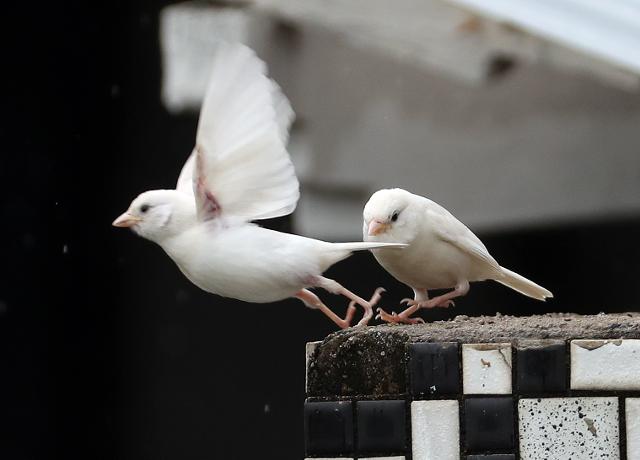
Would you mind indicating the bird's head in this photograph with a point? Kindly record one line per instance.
(158, 214)
(389, 216)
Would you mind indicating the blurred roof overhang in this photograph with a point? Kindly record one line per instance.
(463, 38)
(609, 31)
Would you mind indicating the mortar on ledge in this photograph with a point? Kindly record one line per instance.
(553, 386)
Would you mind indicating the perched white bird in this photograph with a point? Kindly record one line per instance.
(442, 252)
(240, 171)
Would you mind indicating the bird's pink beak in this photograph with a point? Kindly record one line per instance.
(126, 220)
(376, 227)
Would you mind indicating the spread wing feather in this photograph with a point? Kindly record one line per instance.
(242, 161)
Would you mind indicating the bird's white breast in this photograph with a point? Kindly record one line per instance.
(247, 262)
(428, 262)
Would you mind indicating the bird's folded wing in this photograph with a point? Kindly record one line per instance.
(240, 166)
(454, 232)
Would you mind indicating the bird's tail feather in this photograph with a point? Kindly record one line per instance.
(336, 252)
(522, 285)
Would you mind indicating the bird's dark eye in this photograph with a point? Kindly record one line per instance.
(144, 208)
(394, 217)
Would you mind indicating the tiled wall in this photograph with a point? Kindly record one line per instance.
(542, 399)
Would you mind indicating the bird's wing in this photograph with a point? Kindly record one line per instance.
(284, 117)
(454, 232)
(240, 166)
(185, 179)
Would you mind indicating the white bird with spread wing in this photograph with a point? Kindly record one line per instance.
(441, 253)
(240, 171)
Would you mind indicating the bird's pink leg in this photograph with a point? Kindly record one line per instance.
(336, 288)
(443, 300)
(312, 301)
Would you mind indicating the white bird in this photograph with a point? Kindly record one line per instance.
(240, 171)
(441, 253)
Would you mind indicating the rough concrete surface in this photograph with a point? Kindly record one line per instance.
(372, 360)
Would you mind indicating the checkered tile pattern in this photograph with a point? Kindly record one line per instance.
(531, 399)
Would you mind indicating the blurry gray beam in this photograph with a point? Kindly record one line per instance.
(462, 43)
(540, 147)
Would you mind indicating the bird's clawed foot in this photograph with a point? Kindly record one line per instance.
(397, 318)
(312, 301)
(439, 303)
(446, 304)
(368, 306)
(413, 306)
(432, 303)
(348, 317)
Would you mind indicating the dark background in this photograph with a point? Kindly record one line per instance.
(106, 351)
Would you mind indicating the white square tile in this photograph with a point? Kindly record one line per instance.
(435, 430)
(605, 364)
(562, 428)
(633, 428)
(486, 368)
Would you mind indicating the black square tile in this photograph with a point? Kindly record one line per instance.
(541, 368)
(381, 426)
(492, 457)
(328, 427)
(488, 424)
(434, 368)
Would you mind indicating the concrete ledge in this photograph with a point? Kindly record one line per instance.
(372, 361)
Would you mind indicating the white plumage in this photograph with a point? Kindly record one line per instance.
(441, 253)
(240, 171)
(243, 131)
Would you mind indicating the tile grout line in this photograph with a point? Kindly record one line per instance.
(408, 435)
(461, 420)
(409, 400)
(516, 399)
(567, 377)
(622, 426)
